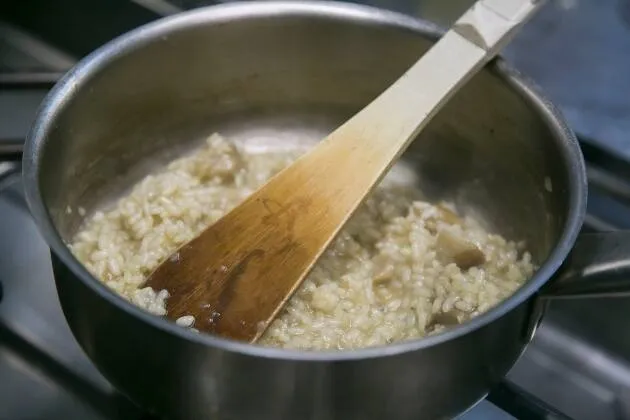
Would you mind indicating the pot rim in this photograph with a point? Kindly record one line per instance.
(94, 62)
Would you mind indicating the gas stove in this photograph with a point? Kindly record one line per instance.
(578, 365)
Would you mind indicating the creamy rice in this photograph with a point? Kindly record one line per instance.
(401, 268)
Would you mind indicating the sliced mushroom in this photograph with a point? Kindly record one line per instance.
(384, 272)
(441, 321)
(462, 252)
(444, 318)
(468, 258)
(223, 163)
(448, 215)
(444, 215)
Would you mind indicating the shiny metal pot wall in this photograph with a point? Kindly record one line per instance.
(266, 74)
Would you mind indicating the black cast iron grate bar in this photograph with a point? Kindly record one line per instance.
(112, 405)
(521, 404)
(34, 80)
(98, 21)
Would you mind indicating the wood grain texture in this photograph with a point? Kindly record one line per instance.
(237, 274)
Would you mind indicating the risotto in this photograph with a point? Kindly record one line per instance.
(401, 268)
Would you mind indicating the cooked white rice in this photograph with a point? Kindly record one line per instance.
(401, 268)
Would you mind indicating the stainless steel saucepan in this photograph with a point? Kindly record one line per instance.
(274, 73)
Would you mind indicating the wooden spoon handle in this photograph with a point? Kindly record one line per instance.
(394, 118)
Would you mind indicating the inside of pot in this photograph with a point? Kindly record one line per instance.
(274, 83)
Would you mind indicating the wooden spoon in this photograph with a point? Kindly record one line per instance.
(236, 275)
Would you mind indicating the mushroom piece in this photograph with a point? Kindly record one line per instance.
(445, 319)
(383, 272)
(448, 215)
(444, 216)
(462, 252)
